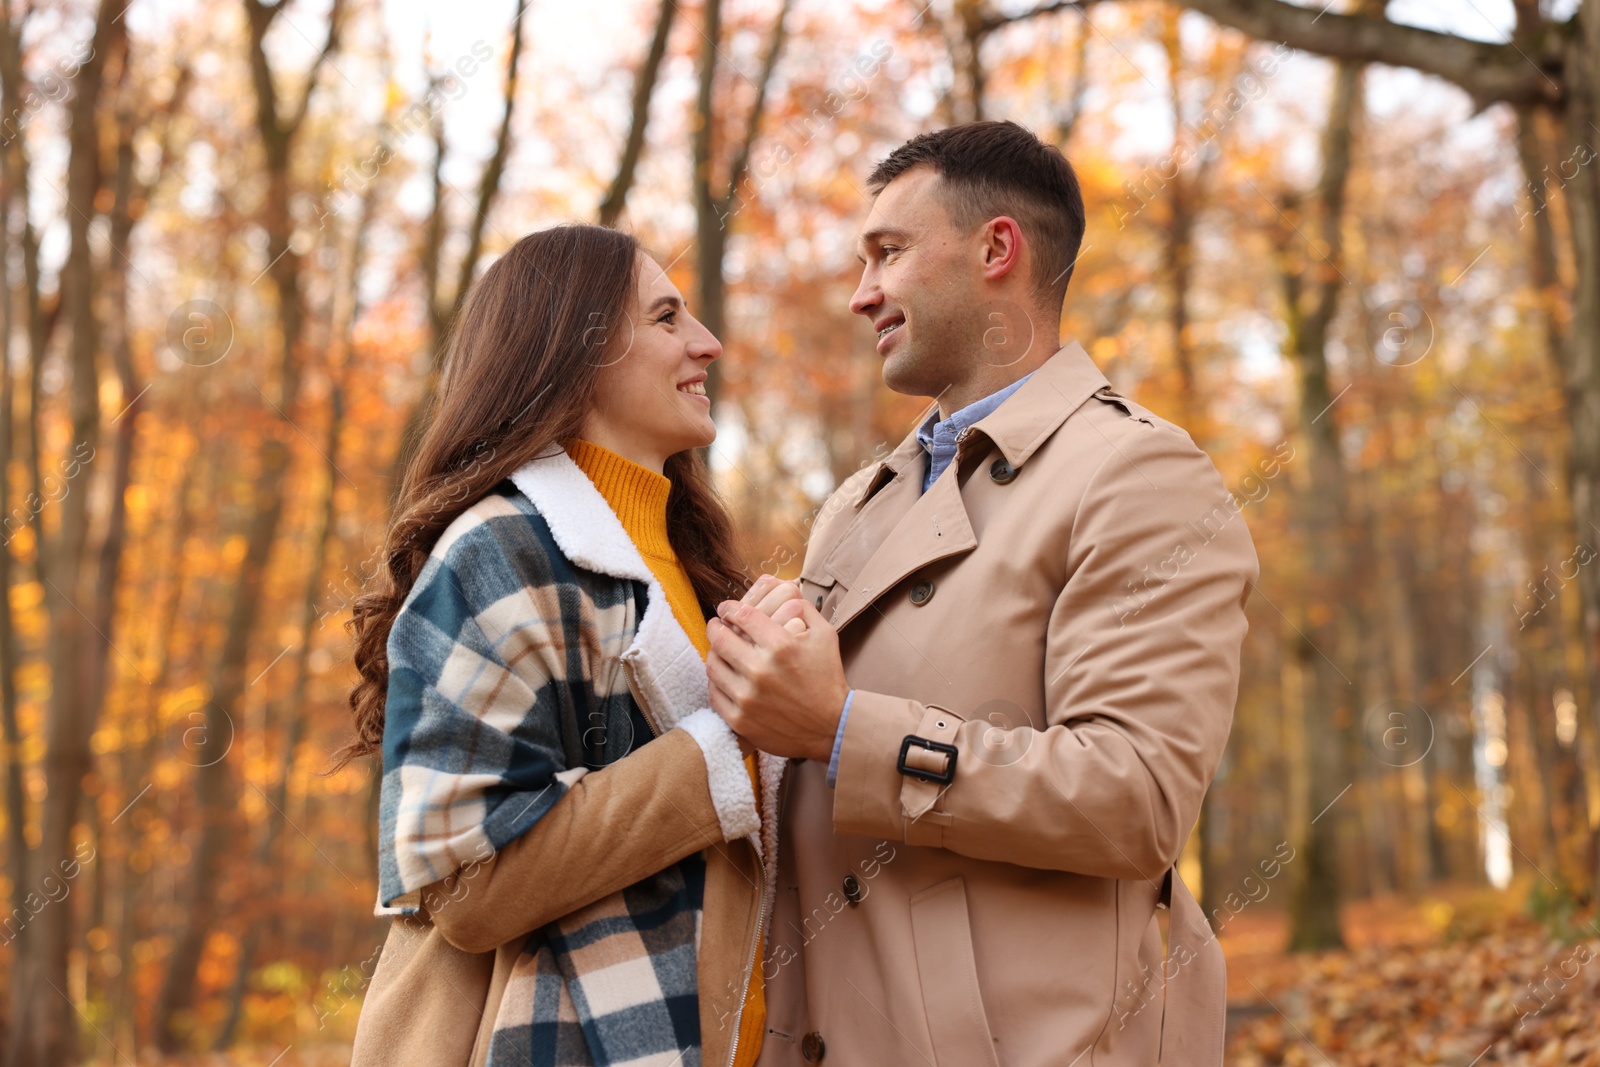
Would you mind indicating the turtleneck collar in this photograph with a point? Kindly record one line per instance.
(636, 493)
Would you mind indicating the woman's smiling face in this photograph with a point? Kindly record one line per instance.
(650, 399)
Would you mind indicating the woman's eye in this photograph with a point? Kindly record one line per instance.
(670, 318)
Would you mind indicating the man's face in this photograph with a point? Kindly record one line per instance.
(919, 286)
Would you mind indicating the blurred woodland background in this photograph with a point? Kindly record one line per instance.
(1353, 248)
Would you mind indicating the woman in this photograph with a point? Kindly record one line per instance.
(571, 834)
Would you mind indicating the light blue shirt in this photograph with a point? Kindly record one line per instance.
(938, 440)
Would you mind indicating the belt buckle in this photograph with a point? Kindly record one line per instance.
(943, 777)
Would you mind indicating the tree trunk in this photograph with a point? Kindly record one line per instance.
(46, 1028)
(1312, 295)
(710, 223)
(16, 811)
(1582, 119)
(714, 211)
(442, 310)
(293, 709)
(167, 600)
(214, 786)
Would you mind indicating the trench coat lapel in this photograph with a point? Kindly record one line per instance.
(897, 529)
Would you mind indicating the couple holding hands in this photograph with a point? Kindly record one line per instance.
(922, 805)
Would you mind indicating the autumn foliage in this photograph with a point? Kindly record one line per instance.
(235, 235)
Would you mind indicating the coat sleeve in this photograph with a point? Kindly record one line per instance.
(485, 827)
(614, 827)
(1142, 653)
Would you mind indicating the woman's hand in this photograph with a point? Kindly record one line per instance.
(768, 594)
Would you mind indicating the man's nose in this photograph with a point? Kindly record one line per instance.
(866, 297)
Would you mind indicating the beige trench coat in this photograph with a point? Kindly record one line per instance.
(1065, 608)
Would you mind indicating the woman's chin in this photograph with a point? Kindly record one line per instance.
(692, 440)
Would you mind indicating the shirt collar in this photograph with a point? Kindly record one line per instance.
(933, 429)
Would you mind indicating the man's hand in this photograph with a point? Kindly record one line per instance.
(781, 689)
(767, 594)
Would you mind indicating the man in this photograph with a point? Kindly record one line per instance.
(1018, 671)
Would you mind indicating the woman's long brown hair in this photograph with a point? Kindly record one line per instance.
(519, 377)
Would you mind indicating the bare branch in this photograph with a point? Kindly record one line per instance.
(433, 239)
(1072, 110)
(752, 126)
(1488, 72)
(489, 184)
(643, 90)
(706, 78)
(329, 46)
(990, 23)
(1332, 190)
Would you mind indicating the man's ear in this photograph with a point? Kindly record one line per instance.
(1001, 247)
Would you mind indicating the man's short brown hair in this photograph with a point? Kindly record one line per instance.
(990, 169)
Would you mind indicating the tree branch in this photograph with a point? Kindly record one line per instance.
(329, 46)
(489, 185)
(1069, 113)
(1337, 154)
(433, 238)
(643, 90)
(752, 127)
(990, 23)
(1487, 72)
(706, 76)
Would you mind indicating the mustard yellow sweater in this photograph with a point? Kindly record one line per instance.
(639, 497)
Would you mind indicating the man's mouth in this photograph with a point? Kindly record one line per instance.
(887, 330)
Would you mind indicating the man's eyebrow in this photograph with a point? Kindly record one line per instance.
(872, 237)
(669, 301)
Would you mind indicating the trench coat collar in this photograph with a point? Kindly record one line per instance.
(895, 528)
(1017, 427)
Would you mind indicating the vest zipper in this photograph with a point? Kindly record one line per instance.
(633, 690)
(749, 969)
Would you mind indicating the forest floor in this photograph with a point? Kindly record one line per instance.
(1460, 977)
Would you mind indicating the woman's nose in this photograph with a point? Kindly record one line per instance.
(705, 344)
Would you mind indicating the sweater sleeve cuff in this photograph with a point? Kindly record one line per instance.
(732, 792)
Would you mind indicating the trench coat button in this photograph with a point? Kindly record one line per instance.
(812, 1047)
(1001, 471)
(819, 601)
(921, 593)
(852, 889)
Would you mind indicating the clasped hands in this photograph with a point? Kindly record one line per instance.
(774, 671)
